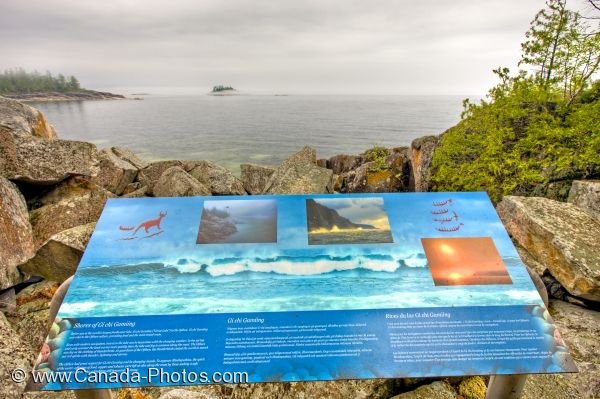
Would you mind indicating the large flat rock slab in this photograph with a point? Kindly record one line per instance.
(16, 237)
(40, 161)
(128, 156)
(559, 235)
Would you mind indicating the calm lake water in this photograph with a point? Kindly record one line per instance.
(252, 128)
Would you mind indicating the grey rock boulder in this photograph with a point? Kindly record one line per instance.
(357, 389)
(218, 179)
(299, 174)
(379, 169)
(138, 193)
(128, 156)
(560, 236)
(149, 175)
(73, 203)
(30, 320)
(40, 161)
(344, 163)
(16, 236)
(13, 354)
(131, 187)
(586, 195)
(435, 390)
(114, 174)
(24, 120)
(176, 182)
(365, 179)
(58, 258)
(197, 393)
(255, 177)
(421, 157)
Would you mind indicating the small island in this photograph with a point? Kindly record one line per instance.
(21, 85)
(221, 90)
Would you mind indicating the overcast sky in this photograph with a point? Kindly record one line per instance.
(320, 46)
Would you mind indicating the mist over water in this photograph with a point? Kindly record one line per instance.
(252, 128)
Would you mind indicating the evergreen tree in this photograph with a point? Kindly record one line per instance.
(73, 83)
(19, 81)
(562, 49)
(538, 129)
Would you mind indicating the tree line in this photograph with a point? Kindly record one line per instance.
(221, 88)
(19, 81)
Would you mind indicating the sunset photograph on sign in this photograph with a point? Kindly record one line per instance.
(465, 261)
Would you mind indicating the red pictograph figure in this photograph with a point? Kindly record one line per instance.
(442, 216)
(442, 203)
(146, 225)
(447, 220)
(440, 211)
(449, 229)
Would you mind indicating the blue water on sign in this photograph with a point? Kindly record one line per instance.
(186, 288)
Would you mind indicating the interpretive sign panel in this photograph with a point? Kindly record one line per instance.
(176, 291)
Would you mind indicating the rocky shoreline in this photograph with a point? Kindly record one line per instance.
(52, 192)
(79, 95)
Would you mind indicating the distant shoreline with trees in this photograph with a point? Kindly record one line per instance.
(33, 86)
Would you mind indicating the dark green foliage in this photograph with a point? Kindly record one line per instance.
(519, 141)
(19, 81)
(219, 88)
(537, 128)
(377, 155)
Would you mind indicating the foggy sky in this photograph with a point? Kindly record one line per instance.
(320, 46)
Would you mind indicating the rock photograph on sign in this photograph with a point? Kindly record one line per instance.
(247, 221)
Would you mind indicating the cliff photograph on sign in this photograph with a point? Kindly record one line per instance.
(347, 221)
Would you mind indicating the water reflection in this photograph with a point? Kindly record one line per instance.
(260, 129)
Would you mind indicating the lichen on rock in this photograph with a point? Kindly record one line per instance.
(559, 235)
(16, 236)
